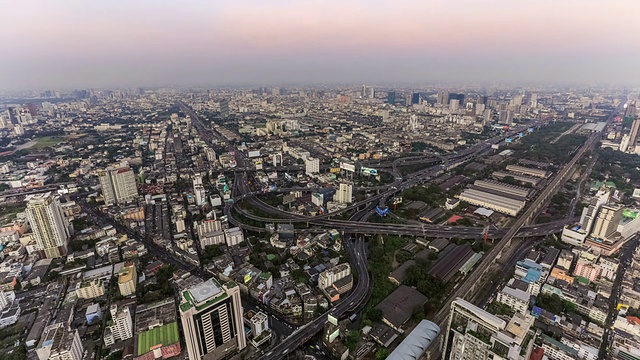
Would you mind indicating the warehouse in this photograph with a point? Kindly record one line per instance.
(520, 191)
(533, 181)
(491, 200)
(528, 171)
(452, 261)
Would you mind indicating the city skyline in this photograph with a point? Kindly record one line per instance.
(75, 44)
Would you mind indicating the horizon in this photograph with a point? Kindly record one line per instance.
(195, 44)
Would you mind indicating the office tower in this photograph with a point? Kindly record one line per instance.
(407, 100)
(50, 226)
(630, 111)
(505, 117)
(122, 325)
(224, 108)
(470, 332)
(454, 104)
(344, 193)
(443, 98)
(372, 93)
(211, 317)
(484, 100)
(516, 100)
(633, 135)
(533, 102)
(459, 97)
(415, 98)
(487, 116)
(391, 97)
(607, 221)
(363, 93)
(127, 279)
(60, 343)
(312, 165)
(118, 185)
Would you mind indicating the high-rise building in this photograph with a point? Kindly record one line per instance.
(470, 332)
(312, 165)
(533, 102)
(224, 108)
(122, 326)
(127, 279)
(607, 221)
(454, 104)
(211, 317)
(118, 185)
(372, 93)
(633, 135)
(363, 93)
(415, 98)
(443, 98)
(391, 97)
(344, 193)
(50, 226)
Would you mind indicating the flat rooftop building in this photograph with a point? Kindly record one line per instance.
(493, 201)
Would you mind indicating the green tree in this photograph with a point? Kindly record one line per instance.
(375, 314)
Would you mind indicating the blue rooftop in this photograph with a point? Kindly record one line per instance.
(533, 275)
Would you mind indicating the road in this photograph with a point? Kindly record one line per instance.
(626, 253)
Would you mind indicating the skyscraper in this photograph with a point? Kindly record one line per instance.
(415, 98)
(344, 193)
(633, 135)
(470, 332)
(443, 98)
(211, 317)
(391, 97)
(224, 108)
(607, 221)
(50, 226)
(118, 185)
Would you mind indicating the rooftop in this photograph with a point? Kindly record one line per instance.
(163, 335)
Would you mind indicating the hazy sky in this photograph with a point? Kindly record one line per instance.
(80, 43)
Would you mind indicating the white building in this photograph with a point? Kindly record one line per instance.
(90, 289)
(328, 277)
(49, 225)
(259, 323)
(233, 236)
(59, 343)
(122, 327)
(312, 165)
(344, 194)
(516, 299)
(210, 232)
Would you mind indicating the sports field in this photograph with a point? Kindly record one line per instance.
(164, 335)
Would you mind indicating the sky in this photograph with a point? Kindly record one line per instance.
(83, 44)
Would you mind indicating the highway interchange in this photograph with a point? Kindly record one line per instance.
(357, 225)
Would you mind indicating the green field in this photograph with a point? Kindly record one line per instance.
(47, 141)
(165, 335)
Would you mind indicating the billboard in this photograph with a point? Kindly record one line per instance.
(335, 169)
(254, 153)
(508, 140)
(632, 214)
(334, 335)
(348, 166)
(382, 211)
(332, 319)
(369, 171)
